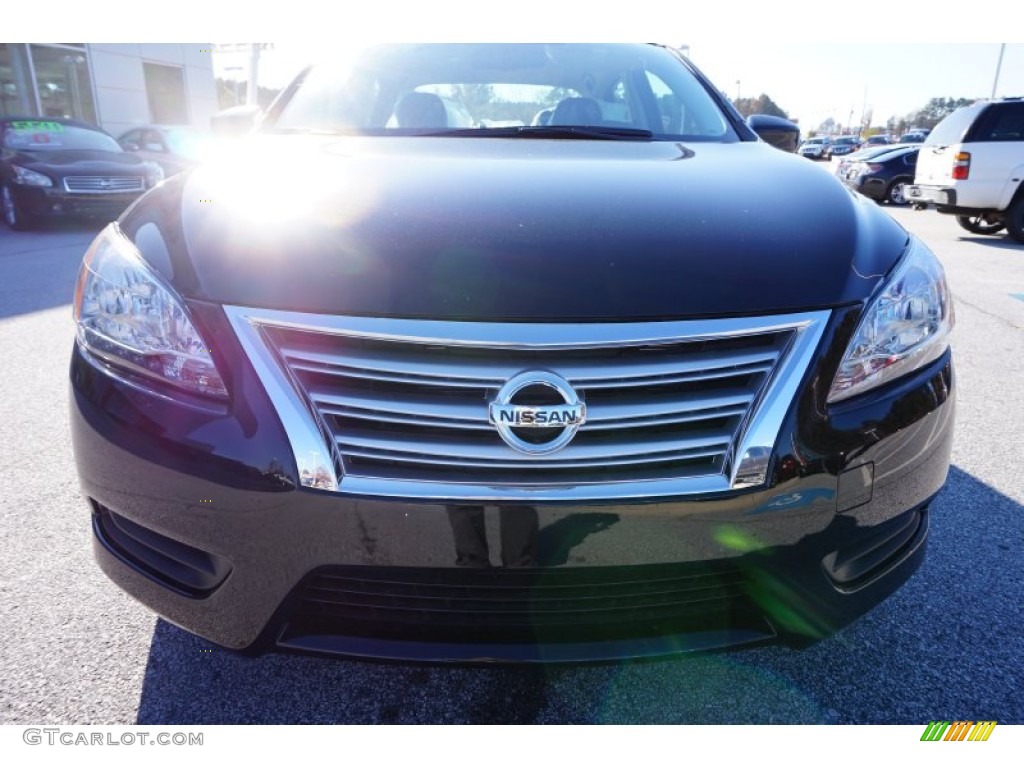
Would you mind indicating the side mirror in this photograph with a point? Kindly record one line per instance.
(129, 146)
(777, 131)
(236, 121)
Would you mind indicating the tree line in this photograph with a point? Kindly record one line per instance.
(926, 117)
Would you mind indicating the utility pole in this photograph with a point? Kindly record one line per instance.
(999, 65)
(863, 111)
(234, 83)
(252, 92)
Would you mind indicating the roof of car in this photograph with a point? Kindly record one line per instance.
(162, 127)
(895, 151)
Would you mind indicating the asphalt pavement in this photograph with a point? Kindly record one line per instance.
(948, 645)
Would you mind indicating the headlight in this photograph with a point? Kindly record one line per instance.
(31, 178)
(129, 318)
(906, 326)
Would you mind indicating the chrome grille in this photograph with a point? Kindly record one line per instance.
(103, 184)
(401, 407)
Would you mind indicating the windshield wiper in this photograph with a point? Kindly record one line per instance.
(586, 132)
(303, 130)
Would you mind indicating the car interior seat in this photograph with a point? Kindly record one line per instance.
(577, 111)
(421, 110)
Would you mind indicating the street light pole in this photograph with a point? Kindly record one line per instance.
(737, 90)
(238, 99)
(252, 93)
(999, 65)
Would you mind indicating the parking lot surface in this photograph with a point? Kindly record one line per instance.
(947, 645)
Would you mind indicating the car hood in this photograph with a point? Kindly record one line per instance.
(515, 229)
(78, 161)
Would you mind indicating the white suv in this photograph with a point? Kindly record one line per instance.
(972, 166)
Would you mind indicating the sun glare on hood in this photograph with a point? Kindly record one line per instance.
(269, 182)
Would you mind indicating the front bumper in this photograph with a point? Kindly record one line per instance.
(262, 562)
(44, 202)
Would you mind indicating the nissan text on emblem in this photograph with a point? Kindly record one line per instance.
(537, 412)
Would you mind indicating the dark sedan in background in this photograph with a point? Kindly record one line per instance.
(884, 177)
(56, 167)
(844, 145)
(878, 140)
(844, 163)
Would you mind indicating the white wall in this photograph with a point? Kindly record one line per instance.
(120, 85)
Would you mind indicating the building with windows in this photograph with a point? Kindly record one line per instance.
(116, 86)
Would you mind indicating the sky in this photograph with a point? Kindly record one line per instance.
(815, 81)
(887, 58)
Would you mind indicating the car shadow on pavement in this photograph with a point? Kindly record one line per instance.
(1002, 240)
(946, 645)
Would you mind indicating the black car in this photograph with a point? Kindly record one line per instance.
(863, 154)
(55, 167)
(509, 392)
(884, 177)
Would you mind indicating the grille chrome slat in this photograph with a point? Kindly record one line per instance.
(484, 426)
(453, 449)
(456, 414)
(494, 372)
(660, 409)
(393, 378)
(684, 378)
(636, 381)
(392, 418)
(401, 407)
(682, 417)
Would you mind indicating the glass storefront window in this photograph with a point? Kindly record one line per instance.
(16, 96)
(63, 83)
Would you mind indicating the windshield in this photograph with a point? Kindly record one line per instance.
(50, 135)
(506, 89)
